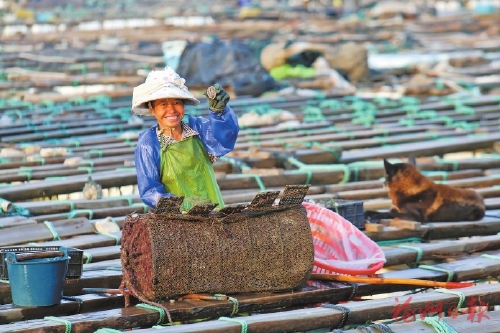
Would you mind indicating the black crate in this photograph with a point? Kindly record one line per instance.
(351, 210)
(75, 263)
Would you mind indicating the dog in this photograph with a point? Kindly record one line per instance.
(417, 198)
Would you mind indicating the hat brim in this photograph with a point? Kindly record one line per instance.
(147, 92)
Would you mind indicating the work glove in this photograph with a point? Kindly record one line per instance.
(217, 98)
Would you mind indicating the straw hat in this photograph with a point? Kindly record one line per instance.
(160, 84)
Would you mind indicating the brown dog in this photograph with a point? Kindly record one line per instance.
(417, 198)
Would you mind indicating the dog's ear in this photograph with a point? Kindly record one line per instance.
(389, 168)
(412, 161)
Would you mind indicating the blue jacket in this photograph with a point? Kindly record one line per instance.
(218, 135)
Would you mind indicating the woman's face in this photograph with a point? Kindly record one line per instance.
(168, 112)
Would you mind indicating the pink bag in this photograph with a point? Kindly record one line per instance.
(340, 247)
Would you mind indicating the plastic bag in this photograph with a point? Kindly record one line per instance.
(340, 247)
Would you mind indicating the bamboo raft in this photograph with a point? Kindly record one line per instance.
(446, 247)
(450, 121)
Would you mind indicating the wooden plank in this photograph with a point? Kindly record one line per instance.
(84, 242)
(374, 193)
(322, 138)
(488, 323)
(40, 232)
(99, 213)
(305, 320)
(442, 230)
(429, 148)
(57, 162)
(287, 321)
(98, 254)
(444, 249)
(73, 287)
(401, 224)
(61, 206)
(86, 303)
(69, 185)
(114, 264)
(6, 222)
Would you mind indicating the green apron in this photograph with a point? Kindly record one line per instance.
(186, 170)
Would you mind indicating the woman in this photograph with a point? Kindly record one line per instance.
(174, 158)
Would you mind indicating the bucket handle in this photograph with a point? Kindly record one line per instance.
(39, 255)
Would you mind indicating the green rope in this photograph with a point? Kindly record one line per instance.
(26, 171)
(117, 238)
(418, 249)
(235, 302)
(308, 175)
(407, 122)
(73, 213)
(244, 324)
(55, 178)
(91, 163)
(155, 308)
(454, 163)
(110, 218)
(96, 151)
(53, 231)
(236, 305)
(4, 281)
(327, 149)
(382, 140)
(65, 322)
(88, 169)
(70, 203)
(125, 169)
(442, 174)
(461, 296)
(433, 135)
(141, 205)
(129, 199)
(464, 109)
(432, 268)
(39, 159)
(335, 167)
(428, 114)
(399, 241)
(88, 256)
(305, 132)
(234, 162)
(107, 330)
(115, 268)
(489, 256)
(257, 178)
(439, 325)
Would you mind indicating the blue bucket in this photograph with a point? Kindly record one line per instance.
(37, 282)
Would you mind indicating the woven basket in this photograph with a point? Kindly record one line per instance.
(266, 249)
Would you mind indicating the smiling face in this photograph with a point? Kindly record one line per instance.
(168, 112)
